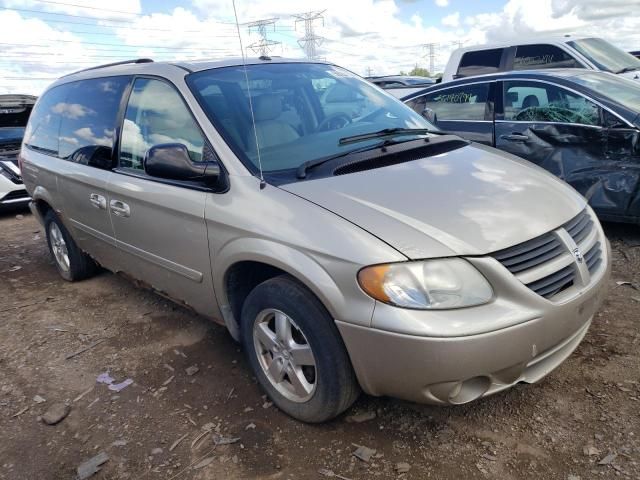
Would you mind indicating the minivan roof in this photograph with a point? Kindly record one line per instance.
(147, 66)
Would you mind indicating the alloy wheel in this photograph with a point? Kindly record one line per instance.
(285, 355)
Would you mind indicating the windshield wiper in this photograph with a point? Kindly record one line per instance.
(387, 132)
(301, 172)
(628, 69)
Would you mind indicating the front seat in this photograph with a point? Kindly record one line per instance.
(530, 101)
(271, 132)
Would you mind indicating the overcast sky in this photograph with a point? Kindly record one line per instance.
(42, 40)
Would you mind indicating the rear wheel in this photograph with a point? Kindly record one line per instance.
(296, 351)
(72, 263)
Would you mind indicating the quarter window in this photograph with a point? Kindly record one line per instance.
(534, 57)
(88, 120)
(541, 102)
(480, 62)
(156, 114)
(44, 123)
(467, 102)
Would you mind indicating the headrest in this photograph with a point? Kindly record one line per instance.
(267, 107)
(511, 98)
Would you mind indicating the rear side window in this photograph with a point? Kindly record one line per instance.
(88, 120)
(534, 57)
(156, 114)
(467, 102)
(44, 124)
(480, 62)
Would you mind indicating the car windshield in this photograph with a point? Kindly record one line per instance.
(605, 56)
(619, 89)
(11, 134)
(301, 111)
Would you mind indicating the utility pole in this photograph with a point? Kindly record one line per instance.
(264, 45)
(369, 72)
(431, 55)
(458, 43)
(310, 42)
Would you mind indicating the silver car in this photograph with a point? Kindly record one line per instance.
(345, 253)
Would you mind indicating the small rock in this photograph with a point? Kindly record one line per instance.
(402, 467)
(19, 217)
(91, 466)
(361, 417)
(203, 463)
(15, 268)
(192, 370)
(608, 460)
(590, 450)
(364, 453)
(56, 413)
(119, 443)
(251, 426)
(266, 405)
(156, 451)
(573, 477)
(491, 458)
(39, 399)
(248, 409)
(220, 440)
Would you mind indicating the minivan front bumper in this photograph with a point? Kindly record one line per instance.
(449, 370)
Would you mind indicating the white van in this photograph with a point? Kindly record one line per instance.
(541, 53)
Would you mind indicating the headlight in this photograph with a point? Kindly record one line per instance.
(429, 284)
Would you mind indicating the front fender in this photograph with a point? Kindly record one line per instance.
(348, 302)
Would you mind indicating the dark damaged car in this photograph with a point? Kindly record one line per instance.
(14, 114)
(581, 125)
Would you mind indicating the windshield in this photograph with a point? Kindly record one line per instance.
(13, 134)
(301, 111)
(605, 56)
(619, 89)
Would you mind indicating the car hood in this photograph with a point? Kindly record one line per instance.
(470, 201)
(634, 75)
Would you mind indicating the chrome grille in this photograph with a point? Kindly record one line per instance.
(553, 262)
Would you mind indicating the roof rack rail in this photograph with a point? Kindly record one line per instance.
(123, 62)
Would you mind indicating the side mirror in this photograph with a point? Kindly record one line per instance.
(430, 115)
(172, 161)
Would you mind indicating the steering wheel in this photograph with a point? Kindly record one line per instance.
(334, 122)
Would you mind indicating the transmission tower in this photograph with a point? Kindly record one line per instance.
(431, 55)
(310, 42)
(264, 45)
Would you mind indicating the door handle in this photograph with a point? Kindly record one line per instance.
(98, 201)
(515, 137)
(119, 208)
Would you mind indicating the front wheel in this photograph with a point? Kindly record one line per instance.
(296, 351)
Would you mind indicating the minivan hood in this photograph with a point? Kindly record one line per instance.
(470, 201)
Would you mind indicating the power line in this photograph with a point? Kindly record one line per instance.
(264, 45)
(110, 45)
(87, 7)
(85, 17)
(310, 42)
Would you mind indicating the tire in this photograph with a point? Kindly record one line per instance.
(331, 385)
(72, 263)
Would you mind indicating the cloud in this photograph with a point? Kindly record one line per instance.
(72, 110)
(452, 20)
(365, 36)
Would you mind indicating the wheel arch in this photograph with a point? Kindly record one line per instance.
(245, 263)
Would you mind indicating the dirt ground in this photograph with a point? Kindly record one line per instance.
(581, 422)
